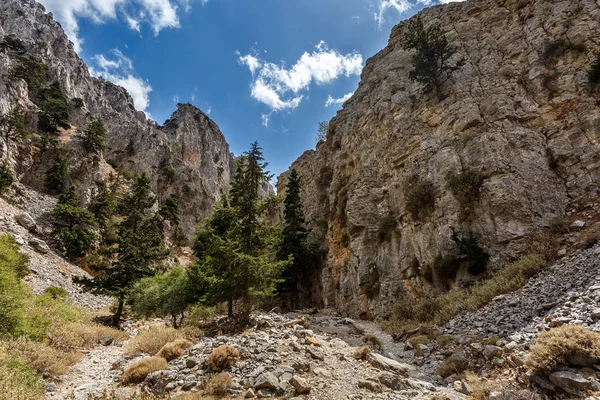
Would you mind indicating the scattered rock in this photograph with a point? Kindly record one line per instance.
(300, 385)
(266, 381)
(39, 245)
(369, 385)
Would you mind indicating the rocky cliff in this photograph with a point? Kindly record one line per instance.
(187, 157)
(520, 117)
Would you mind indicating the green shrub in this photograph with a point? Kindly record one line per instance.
(56, 292)
(345, 240)
(17, 380)
(15, 120)
(57, 175)
(93, 138)
(78, 102)
(469, 251)
(386, 225)
(164, 295)
(6, 176)
(168, 171)
(419, 197)
(11, 258)
(179, 237)
(12, 43)
(33, 71)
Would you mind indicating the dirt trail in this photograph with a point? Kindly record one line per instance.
(92, 375)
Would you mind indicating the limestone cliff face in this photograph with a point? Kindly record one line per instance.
(189, 142)
(521, 112)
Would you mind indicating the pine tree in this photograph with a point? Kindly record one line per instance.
(293, 241)
(93, 139)
(57, 174)
(73, 224)
(235, 259)
(139, 247)
(431, 62)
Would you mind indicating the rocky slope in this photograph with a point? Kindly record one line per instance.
(520, 112)
(189, 141)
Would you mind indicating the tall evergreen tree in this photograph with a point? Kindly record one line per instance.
(293, 241)
(139, 247)
(93, 138)
(235, 261)
(73, 224)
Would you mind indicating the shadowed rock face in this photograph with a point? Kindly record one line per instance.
(521, 112)
(190, 142)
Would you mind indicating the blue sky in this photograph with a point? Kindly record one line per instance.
(266, 70)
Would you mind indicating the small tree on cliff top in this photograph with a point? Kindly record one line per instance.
(431, 61)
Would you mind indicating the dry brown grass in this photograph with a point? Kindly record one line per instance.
(564, 345)
(175, 349)
(17, 381)
(81, 335)
(145, 396)
(223, 357)
(138, 371)
(362, 352)
(218, 384)
(481, 387)
(41, 357)
(152, 340)
(372, 338)
(439, 310)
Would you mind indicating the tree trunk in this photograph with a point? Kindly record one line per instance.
(230, 308)
(117, 317)
(174, 320)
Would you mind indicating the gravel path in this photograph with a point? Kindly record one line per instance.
(91, 376)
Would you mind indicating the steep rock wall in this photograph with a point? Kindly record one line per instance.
(190, 142)
(521, 112)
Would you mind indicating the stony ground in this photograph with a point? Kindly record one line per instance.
(24, 215)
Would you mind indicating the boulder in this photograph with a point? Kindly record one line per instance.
(266, 380)
(570, 382)
(26, 221)
(39, 245)
(300, 385)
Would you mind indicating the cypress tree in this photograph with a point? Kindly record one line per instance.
(139, 247)
(293, 241)
(73, 224)
(93, 138)
(235, 259)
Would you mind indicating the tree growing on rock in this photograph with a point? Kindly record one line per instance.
(322, 131)
(7, 177)
(431, 61)
(73, 224)
(57, 174)
(236, 260)
(138, 249)
(93, 138)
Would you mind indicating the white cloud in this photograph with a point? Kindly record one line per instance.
(279, 87)
(159, 14)
(118, 69)
(176, 99)
(400, 6)
(339, 101)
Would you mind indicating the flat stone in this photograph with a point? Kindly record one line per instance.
(381, 362)
(314, 353)
(570, 382)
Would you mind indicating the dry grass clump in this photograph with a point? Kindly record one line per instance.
(373, 339)
(223, 357)
(481, 387)
(218, 384)
(42, 357)
(175, 349)
(452, 366)
(112, 395)
(362, 352)
(564, 345)
(152, 340)
(439, 310)
(81, 335)
(138, 371)
(419, 339)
